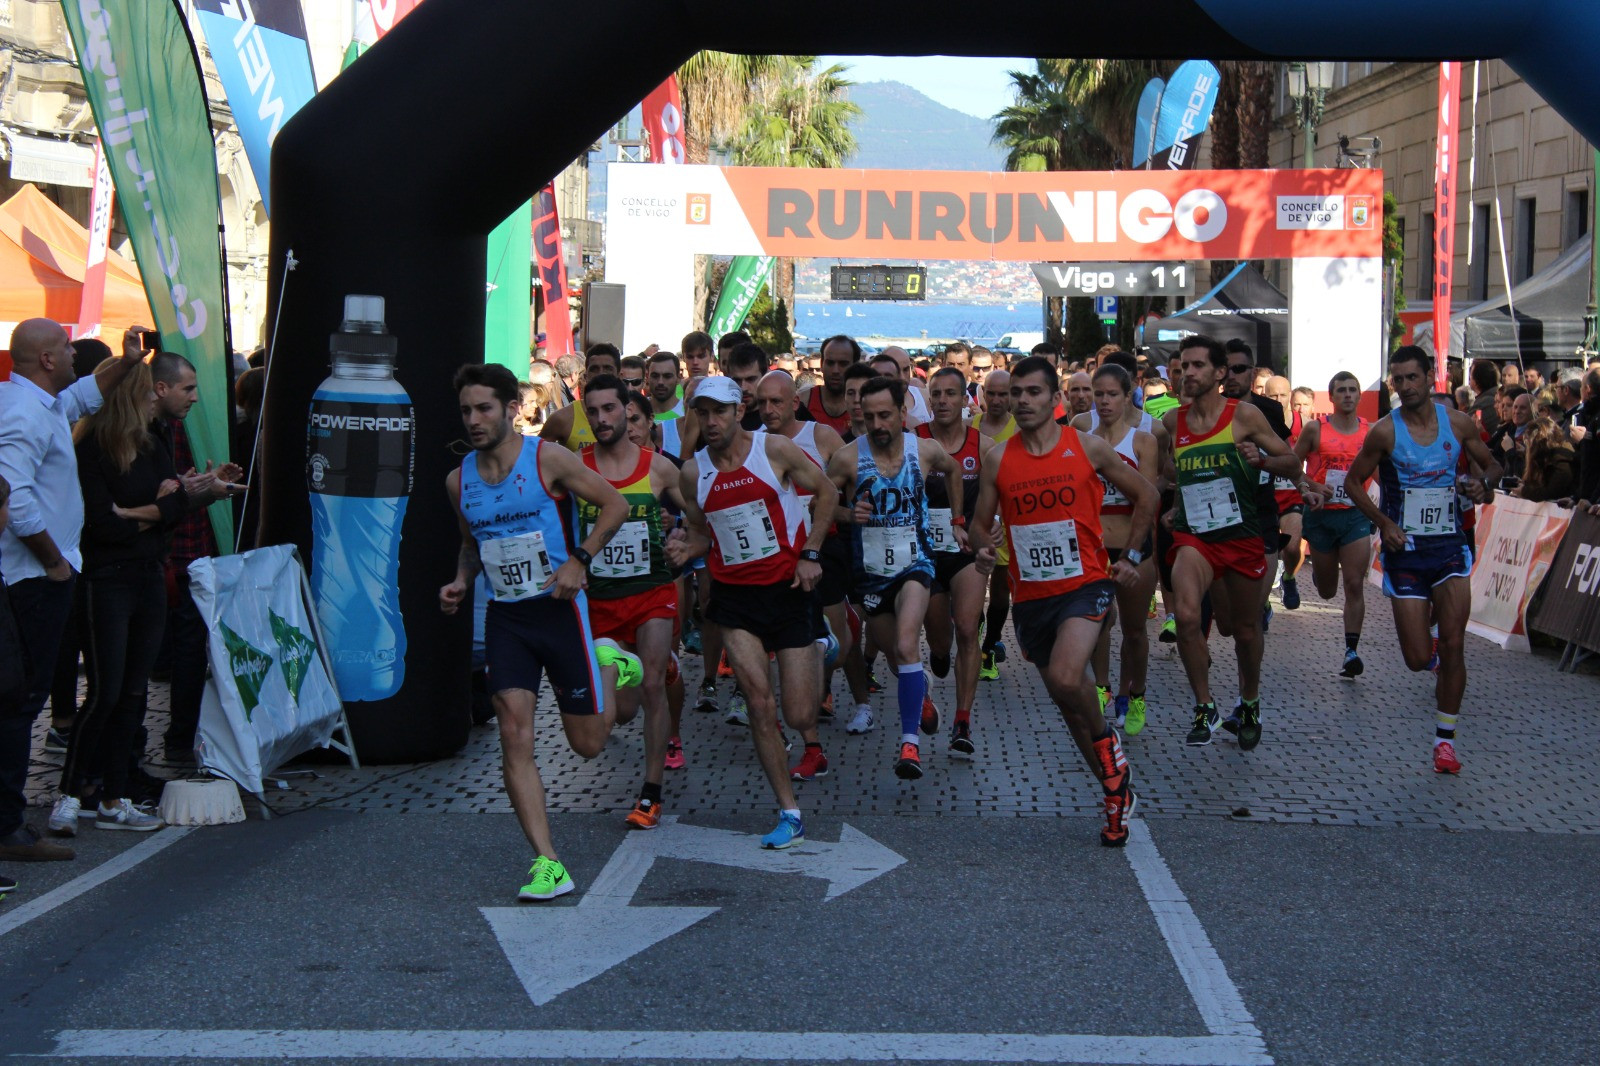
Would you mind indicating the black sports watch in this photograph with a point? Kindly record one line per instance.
(810, 555)
(583, 557)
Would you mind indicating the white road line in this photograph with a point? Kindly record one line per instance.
(577, 1044)
(1221, 1007)
(27, 912)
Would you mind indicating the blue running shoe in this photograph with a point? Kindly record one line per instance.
(691, 642)
(999, 651)
(1353, 666)
(790, 830)
(1119, 712)
(1291, 594)
(1266, 617)
(830, 647)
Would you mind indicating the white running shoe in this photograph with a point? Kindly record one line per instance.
(124, 815)
(862, 722)
(64, 817)
(738, 710)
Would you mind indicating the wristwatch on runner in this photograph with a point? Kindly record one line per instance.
(810, 555)
(582, 556)
(1134, 556)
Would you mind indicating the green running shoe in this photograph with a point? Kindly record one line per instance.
(1169, 631)
(1136, 712)
(1249, 724)
(630, 671)
(988, 670)
(1105, 696)
(547, 879)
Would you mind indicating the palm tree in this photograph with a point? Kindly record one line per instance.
(797, 116)
(716, 87)
(1046, 128)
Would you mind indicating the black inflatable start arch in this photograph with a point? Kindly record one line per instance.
(390, 180)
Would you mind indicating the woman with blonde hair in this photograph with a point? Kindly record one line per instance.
(131, 499)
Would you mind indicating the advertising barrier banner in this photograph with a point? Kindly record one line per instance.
(1516, 546)
(1569, 608)
(270, 696)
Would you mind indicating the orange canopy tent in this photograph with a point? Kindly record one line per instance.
(42, 263)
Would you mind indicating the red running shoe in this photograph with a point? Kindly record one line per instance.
(1444, 758)
(930, 717)
(674, 754)
(1119, 808)
(672, 675)
(812, 764)
(909, 766)
(723, 669)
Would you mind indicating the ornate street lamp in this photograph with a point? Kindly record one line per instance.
(1308, 91)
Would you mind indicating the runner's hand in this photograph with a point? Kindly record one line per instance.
(1124, 573)
(1168, 518)
(1252, 454)
(863, 509)
(962, 540)
(677, 547)
(571, 579)
(806, 574)
(1316, 494)
(1392, 536)
(451, 595)
(986, 560)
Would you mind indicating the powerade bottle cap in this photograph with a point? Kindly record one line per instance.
(363, 314)
(363, 341)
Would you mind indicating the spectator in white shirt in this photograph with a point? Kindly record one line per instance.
(39, 555)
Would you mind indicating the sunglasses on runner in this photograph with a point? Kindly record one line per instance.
(1240, 368)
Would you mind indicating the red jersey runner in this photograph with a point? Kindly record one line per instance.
(754, 519)
(1051, 507)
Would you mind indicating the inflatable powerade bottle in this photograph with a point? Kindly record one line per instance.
(358, 469)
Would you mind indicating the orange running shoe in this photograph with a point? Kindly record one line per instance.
(930, 717)
(674, 754)
(723, 669)
(1111, 763)
(645, 815)
(909, 766)
(812, 764)
(1444, 758)
(1119, 808)
(672, 675)
(825, 711)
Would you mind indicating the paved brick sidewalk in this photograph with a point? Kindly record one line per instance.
(1334, 752)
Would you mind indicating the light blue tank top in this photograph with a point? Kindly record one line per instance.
(897, 539)
(508, 512)
(1413, 466)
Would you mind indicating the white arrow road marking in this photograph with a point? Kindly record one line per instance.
(603, 930)
(556, 950)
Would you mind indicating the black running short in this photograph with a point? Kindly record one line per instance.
(882, 601)
(946, 565)
(834, 585)
(544, 636)
(1038, 621)
(778, 615)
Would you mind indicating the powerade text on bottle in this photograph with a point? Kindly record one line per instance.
(358, 468)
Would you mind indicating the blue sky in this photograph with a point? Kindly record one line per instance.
(977, 86)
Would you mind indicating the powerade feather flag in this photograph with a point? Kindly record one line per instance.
(746, 276)
(1186, 107)
(259, 47)
(143, 81)
(1144, 122)
(552, 274)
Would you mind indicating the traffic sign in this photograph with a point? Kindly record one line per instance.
(1105, 307)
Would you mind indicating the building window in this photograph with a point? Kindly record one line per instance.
(1426, 244)
(1522, 257)
(1574, 218)
(1478, 270)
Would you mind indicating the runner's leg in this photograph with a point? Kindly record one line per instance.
(1354, 560)
(966, 606)
(1191, 577)
(1247, 637)
(748, 657)
(655, 651)
(1132, 601)
(514, 712)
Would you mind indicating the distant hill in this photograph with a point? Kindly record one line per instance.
(901, 129)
